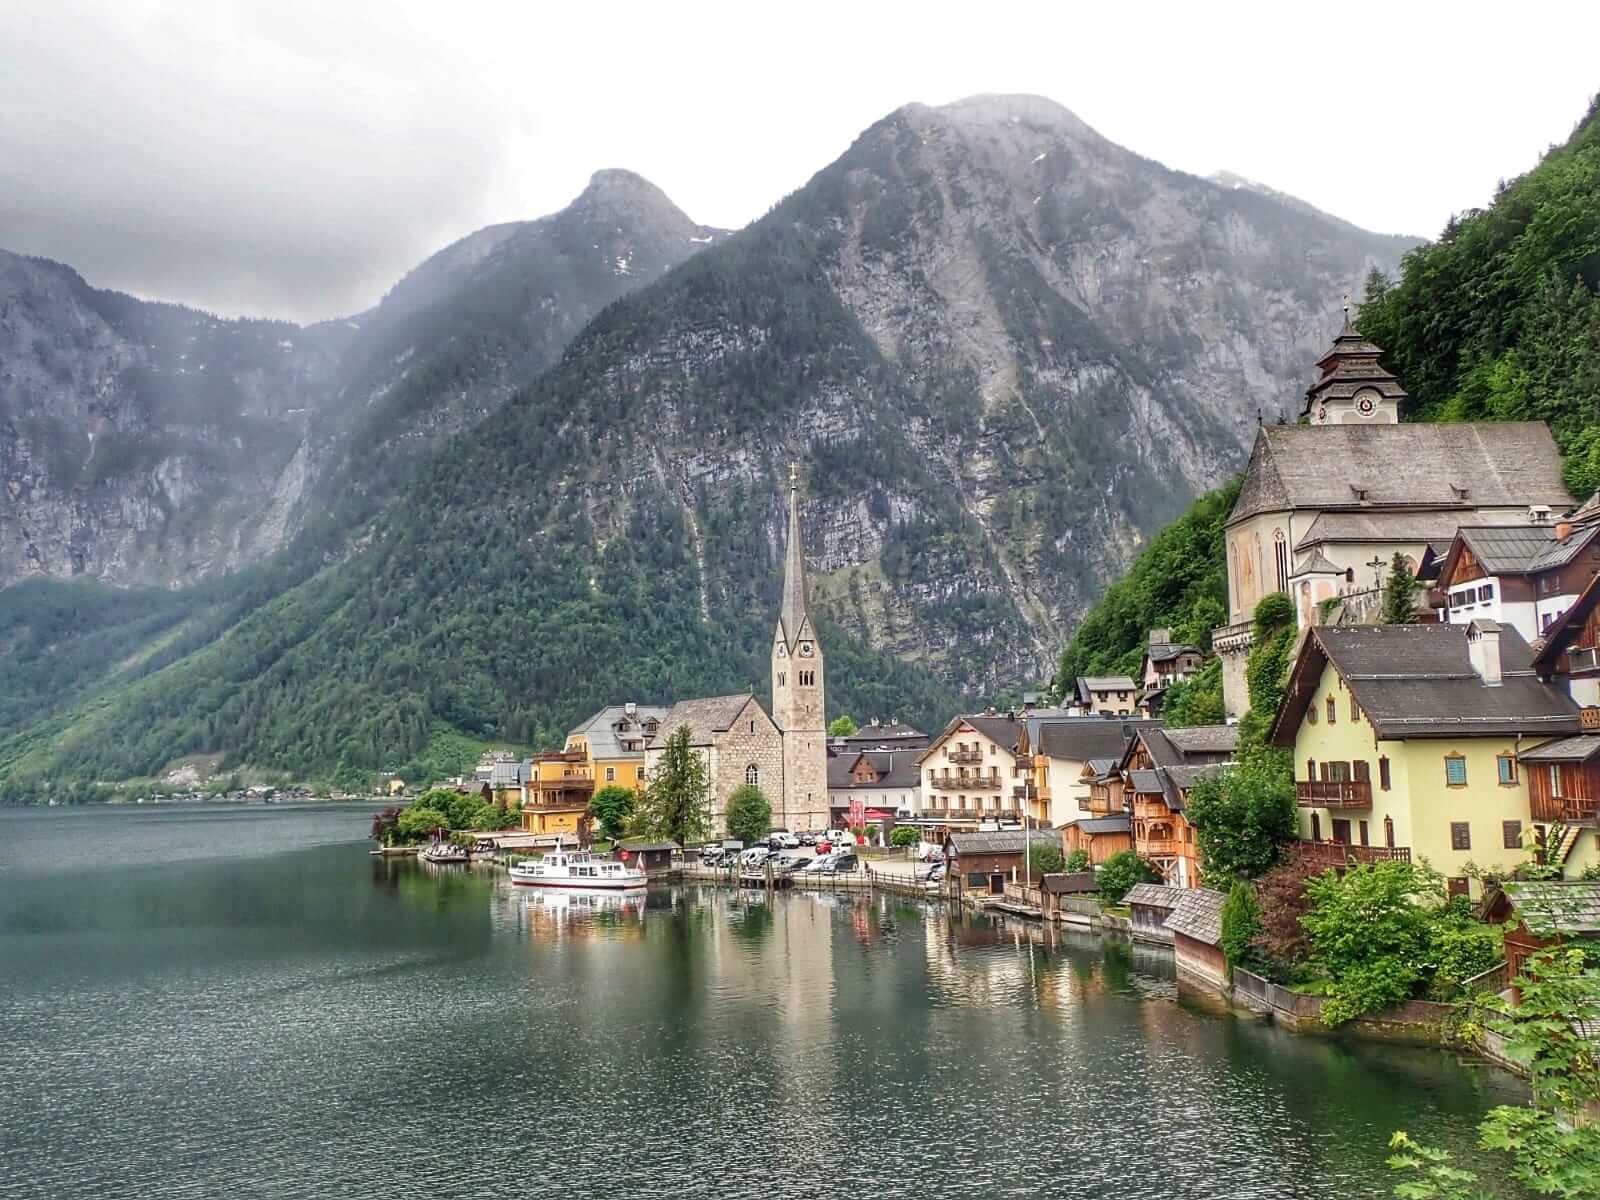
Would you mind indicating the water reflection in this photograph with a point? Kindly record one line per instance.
(314, 1022)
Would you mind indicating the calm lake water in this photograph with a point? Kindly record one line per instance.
(241, 1002)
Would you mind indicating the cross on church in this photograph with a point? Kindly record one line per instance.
(1377, 571)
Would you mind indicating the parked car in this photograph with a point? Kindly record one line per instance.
(754, 856)
(840, 837)
(808, 839)
(819, 864)
(782, 839)
(925, 871)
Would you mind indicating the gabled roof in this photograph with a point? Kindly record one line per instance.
(895, 768)
(1160, 652)
(637, 845)
(1004, 731)
(600, 730)
(885, 731)
(1154, 895)
(1104, 683)
(1422, 466)
(705, 717)
(1502, 549)
(1195, 740)
(1069, 883)
(1005, 841)
(1581, 748)
(1415, 681)
(1567, 627)
(1096, 825)
(1084, 738)
(1100, 768)
(1198, 915)
(1570, 906)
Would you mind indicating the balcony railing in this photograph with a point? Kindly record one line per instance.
(965, 756)
(970, 783)
(1150, 808)
(1333, 793)
(1567, 809)
(1339, 855)
(1160, 847)
(1232, 637)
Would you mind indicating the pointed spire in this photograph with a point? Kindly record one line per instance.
(793, 614)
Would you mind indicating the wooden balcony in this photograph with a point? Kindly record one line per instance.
(1339, 855)
(1160, 848)
(965, 756)
(1569, 810)
(967, 783)
(1147, 808)
(1333, 793)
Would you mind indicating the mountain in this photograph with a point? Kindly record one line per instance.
(1003, 350)
(1499, 319)
(145, 443)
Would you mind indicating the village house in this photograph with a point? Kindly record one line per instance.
(985, 862)
(1408, 743)
(971, 774)
(1059, 747)
(1570, 654)
(1324, 506)
(1195, 923)
(1160, 766)
(1104, 696)
(878, 734)
(871, 787)
(556, 795)
(613, 740)
(1102, 826)
(1541, 911)
(1165, 663)
(507, 780)
(1524, 576)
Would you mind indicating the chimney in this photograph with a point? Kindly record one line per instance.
(1563, 530)
(630, 708)
(1483, 650)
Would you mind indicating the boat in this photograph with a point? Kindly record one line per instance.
(562, 868)
(443, 852)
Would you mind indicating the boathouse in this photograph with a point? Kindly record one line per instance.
(986, 862)
(649, 857)
(1151, 904)
(1196, 925)
(1064, 886)
(1545, 911)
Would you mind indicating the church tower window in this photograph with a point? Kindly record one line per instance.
(1280, 550)
(752, 775)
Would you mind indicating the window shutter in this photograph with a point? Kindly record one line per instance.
(1460, 835)
(1383, 774)
(1512, 831)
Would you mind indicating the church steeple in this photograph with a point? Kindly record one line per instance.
(793, 617)
(1352, 388)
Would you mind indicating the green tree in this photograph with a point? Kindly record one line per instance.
(1196, 700)
(1240, 923)
(1077, 861)
(1120, 872)
(749, 814)
(1370, 934)
(612, 806)
(842, 726)
(905, 835)
(1267, 669)
(1044, 858)
(1400, 593)
(1242, 817)
(676, 806)
(417, 821)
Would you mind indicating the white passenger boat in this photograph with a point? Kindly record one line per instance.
(562, 868)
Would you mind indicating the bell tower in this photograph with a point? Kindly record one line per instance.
(798, 676)
(1351, 387)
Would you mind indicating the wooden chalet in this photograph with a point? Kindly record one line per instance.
(986, 862)
(1160, 766)
(1150, 905)
(1524, 576)
(1543, 913)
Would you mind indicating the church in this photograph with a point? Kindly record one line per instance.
(785, 753)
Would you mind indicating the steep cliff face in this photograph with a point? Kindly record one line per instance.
(148, 443)
(1002, 349)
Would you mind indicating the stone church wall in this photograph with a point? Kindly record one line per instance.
(737, 749)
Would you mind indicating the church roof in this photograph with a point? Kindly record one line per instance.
(794, 614)
(1360, 468)
(705, 718)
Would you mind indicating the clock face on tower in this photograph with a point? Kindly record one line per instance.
(1365, 405)
(783, 651)
(805, 649)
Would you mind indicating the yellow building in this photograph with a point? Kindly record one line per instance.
(556, 796)
(613, 742)
(1405, 741)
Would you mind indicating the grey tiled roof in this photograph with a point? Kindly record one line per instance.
(1006, 841)
(1067, 883)
(637, 845)
(1581, 748)
(1418, 681)
(1146, 783)
(1198, 915)
(1153, 895)
(1122, 824)
(705, 718)
(1105, 683)
(1571, 906)
(600, 732)
(1507, 463)
(895, 768)
(1381, 527)
(1083, 739)
(1204, 739)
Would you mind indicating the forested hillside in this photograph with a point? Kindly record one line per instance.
(1499, 320)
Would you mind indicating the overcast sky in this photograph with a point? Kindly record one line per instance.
(295, 158)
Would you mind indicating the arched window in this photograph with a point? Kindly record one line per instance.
(752, 775)
(1280, 555)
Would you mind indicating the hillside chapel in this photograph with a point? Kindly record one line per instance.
(784, 754)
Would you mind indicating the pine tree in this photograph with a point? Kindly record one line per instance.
(677, 804)
(1400, 593)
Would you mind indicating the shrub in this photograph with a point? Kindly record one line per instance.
(905, 835)
(1044, 858)
(1370, 935)
(749, 814)
(1243, 817)
(1120, 872)
(1078, 860)
(1240, 923)
(1281, 902)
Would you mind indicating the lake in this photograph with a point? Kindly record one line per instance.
(233, 1001)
